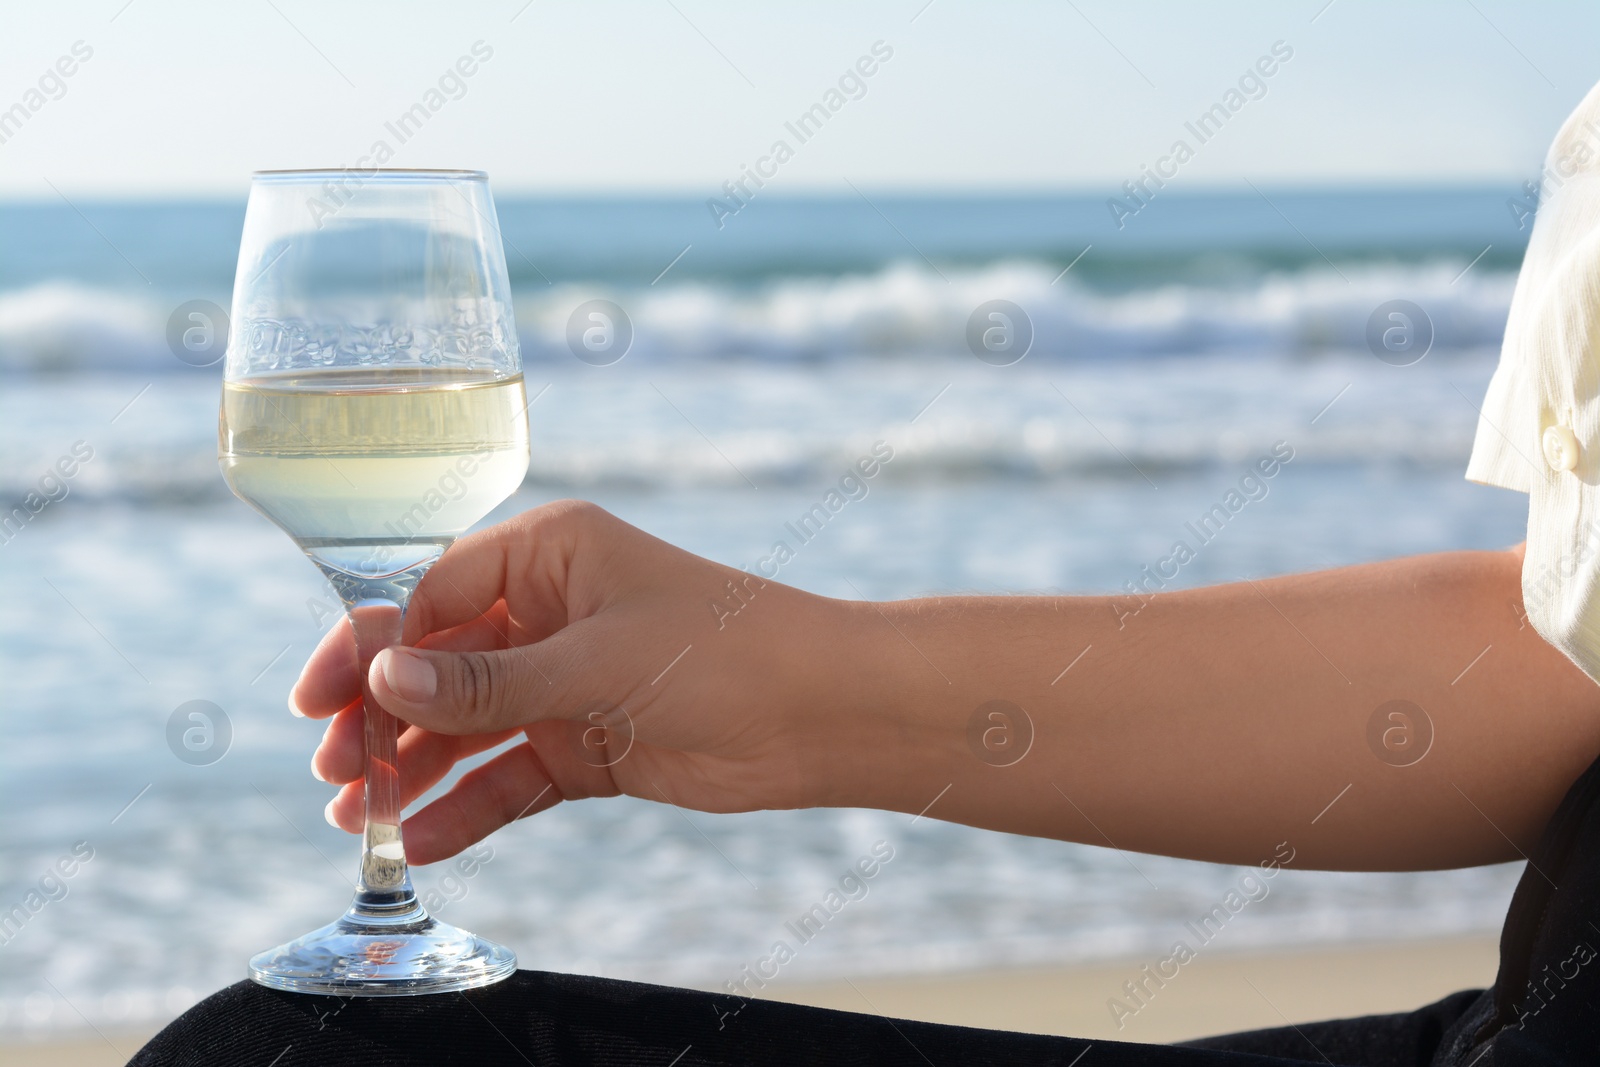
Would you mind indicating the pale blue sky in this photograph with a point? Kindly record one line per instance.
(674, 96)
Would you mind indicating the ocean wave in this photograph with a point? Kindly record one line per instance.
(902, 311)
(911, 310)
(777, 424)
(62, 327)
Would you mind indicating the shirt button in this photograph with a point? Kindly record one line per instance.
(1560, 448)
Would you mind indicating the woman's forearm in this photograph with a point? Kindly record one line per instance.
(1388, 716)
(1217, 723)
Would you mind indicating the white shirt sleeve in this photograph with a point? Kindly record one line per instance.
(1539, 427)
(1569, 210)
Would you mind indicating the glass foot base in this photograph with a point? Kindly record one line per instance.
(371, 954)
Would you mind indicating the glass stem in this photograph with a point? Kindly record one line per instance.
(377, 624)
(377, 610)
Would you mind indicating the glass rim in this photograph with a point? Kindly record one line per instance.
(372, 174)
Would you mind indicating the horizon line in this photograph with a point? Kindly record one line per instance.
(898, 191)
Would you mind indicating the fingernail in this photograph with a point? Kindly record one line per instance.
(316, 773)
(410, 676)
(327, 813)
(294, 708)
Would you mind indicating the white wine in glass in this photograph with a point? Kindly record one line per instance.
(373, 408)
(366, 466)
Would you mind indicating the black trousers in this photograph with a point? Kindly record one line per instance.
(1544, 1009)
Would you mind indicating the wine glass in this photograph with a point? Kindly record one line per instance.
(373, 407)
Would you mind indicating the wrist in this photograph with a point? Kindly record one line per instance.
(869, 723)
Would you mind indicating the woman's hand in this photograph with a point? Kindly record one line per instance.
(1216, 723)
(629, 666)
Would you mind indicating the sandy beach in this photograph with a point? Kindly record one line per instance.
(1213, 994)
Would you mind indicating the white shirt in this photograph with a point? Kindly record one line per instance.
(1539, 428)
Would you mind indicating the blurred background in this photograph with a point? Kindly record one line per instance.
(1180, 313)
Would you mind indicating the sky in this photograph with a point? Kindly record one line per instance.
(678, 96)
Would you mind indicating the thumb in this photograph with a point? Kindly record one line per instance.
(473, 692)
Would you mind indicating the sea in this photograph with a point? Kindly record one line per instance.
(1162, 359)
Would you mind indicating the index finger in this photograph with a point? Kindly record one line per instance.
(523, 560)
(330, 681)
